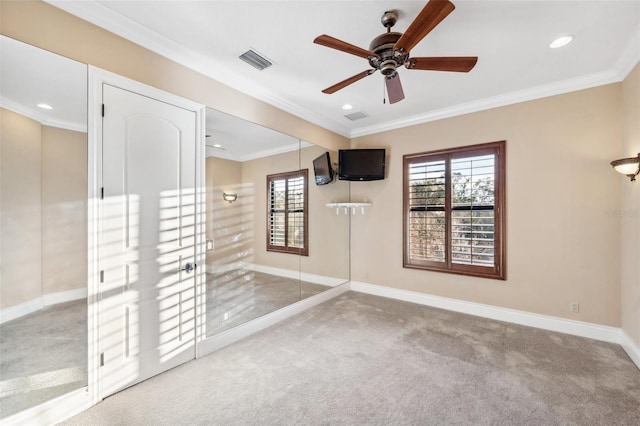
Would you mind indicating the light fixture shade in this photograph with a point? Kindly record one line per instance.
(627, 166)
(230, 197)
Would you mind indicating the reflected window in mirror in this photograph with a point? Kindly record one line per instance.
(245, 280)
(287, 211)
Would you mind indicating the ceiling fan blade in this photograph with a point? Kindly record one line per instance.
(348, 81)
(453, 63)
(334, 43)
(430, 16)
(394, 88)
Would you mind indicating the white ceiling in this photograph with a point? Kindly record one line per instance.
(240, 140)
(510, 38)
(29, 76)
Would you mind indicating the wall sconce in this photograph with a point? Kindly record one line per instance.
(229, 197)
(628, 166)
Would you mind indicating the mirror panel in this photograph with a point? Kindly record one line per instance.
(43, 192)
(328, 262)
(245, 280)
(43, 226)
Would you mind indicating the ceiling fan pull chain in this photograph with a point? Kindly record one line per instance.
(384, 92)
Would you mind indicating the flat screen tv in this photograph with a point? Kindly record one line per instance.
(323, 170)
(361, 164)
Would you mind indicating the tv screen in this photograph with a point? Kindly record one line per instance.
(361, 164)
(322, 169)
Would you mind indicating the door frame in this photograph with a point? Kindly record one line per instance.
(97, 78)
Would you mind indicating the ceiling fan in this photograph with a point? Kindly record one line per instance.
(388, 51)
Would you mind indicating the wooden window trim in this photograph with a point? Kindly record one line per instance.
(302, 251)
(499, 269)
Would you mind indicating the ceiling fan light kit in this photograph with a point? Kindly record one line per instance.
(390, 50)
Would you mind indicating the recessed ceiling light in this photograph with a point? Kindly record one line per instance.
(45, 106)
(217, 146)
(561, 41)
(347, 107)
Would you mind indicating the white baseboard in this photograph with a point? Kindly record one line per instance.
(64, 296)
(17, 311)
(228, 337)
(53, 411)
(576, 328)
(630, 348)
(291, 273)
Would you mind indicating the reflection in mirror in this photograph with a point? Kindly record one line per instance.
(255, 244)
(328, 260)
(43, 226)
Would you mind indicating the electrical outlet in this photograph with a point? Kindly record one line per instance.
(574, 307)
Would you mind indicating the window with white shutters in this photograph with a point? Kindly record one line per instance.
(454, 210)
(287, 221)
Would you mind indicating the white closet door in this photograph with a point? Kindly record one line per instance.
(147, 293)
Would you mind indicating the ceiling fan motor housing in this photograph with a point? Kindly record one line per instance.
(389, 59)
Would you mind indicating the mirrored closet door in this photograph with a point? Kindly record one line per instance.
(43, 226)
(271, 239)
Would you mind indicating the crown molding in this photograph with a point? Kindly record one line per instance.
(41, 118)
(261, 154)
(255, 155)
(543, 91)
(111, 21)
(630, 55)
(122, 26)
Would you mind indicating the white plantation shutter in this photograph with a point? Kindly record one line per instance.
(454, 209)
(287, 212)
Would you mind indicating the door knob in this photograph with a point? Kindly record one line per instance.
(189, 267)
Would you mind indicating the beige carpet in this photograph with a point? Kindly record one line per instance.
(364, 360)
(42, 355)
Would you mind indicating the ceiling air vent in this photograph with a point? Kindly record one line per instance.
(356, 115)
(255, 59)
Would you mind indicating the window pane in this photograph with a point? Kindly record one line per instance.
(276, 228)
(296, 230)
(472, 218)
(426, 211)
(472, 237)
(427, 184)
(473, 181)
(427, 236)
(296, 194)
(278, 194)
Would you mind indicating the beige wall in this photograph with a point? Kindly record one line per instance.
(562, 246)
(225, 225)
(563, 242)
(254, 175)
(20, 227)
(64, 210)
(45, 26)
(328, 231)
(43, 209)
(630, 210)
